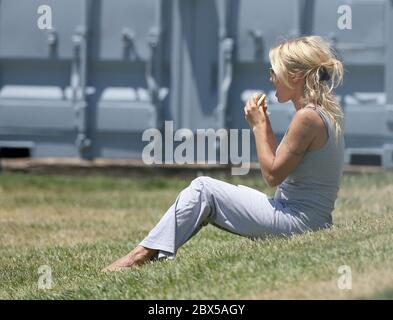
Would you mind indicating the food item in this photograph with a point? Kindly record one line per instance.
(260, 99)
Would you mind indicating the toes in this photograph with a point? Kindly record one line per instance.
(128, 261)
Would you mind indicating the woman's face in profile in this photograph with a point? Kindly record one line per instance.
(283, 93)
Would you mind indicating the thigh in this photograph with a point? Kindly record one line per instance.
(249, 212)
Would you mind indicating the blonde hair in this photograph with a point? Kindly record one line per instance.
(315, 60)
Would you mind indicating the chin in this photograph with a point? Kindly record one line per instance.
(282, 100)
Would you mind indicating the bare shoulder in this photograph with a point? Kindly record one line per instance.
(304, 130)
(306, 119)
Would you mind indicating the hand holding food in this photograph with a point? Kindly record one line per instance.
(260, 99)
(256, 109)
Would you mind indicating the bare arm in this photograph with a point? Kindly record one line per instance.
(276, 166)
(266, 145)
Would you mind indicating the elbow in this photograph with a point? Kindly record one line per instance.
(273, 184)
(272, 181)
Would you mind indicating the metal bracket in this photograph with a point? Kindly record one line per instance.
(52, 41)
(389, 117)
(128, 38)
(152, 85)
(78, 86)
(226, 46)
(257, 36)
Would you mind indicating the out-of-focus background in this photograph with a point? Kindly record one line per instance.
(107, 70)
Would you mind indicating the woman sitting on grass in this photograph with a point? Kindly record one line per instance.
(306, 167)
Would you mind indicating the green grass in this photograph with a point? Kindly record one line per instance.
(78, 225)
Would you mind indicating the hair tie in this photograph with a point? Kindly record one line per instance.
(323, 74)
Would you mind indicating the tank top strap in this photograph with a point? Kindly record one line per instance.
(323, 115)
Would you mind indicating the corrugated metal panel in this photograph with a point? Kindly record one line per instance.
(111, 69)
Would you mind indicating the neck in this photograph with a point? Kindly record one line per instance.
(297, 102)
(297, 98)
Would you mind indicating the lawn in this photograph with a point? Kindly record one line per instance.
(78, 225)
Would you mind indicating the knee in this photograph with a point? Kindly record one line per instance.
(203, 188)
(201, 182)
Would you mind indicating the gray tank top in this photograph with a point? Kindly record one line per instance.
(311, 189)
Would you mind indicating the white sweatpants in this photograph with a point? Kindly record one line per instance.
(237, 209)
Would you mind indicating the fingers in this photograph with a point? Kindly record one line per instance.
(257, 99)
(262, 103)
(256, 96)
(251, 104)
(262, 100)
(256, 102)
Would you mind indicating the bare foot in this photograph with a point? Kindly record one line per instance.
(136, 257)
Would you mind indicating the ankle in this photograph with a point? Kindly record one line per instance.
(142, 251)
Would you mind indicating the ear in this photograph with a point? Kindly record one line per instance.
(296, 78)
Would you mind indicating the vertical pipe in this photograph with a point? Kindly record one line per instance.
(81, 106)
(306, 16)
(389, 53)
(222, 33)
(176, 64)
(154, 62)
(83, 54)
(1, 72)
(182, 47)
(225, 47)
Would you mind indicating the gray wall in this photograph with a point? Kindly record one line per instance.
(111, 69)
